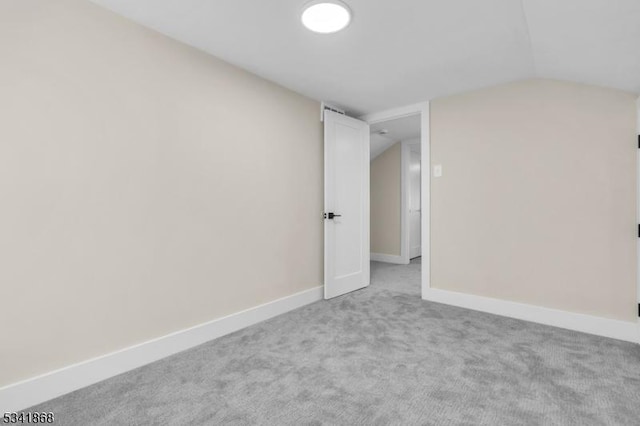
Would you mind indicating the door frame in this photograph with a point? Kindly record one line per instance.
(425, 156)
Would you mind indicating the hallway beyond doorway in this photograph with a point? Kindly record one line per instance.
(397, 278)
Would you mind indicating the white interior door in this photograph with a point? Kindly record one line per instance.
(415, 209)
(638, 201)
(346, 201)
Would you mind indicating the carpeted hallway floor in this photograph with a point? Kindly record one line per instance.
(397, 278)
(375, 357)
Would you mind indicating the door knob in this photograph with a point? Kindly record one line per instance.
(331, 215)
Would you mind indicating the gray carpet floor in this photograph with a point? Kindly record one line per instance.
(397, 278)
(375, 357)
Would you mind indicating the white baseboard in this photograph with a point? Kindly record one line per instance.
(39, 389)
(622, 330)
(388, 258)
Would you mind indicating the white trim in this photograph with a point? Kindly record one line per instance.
(389, 258)
(19, 396)
(425, 164)
(425, 149)
(622, 330)
(395, 113)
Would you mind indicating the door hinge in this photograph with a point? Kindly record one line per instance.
(638, 309)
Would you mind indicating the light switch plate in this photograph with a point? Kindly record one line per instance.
(437, 170)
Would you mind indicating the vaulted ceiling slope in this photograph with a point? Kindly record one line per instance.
(400, 52)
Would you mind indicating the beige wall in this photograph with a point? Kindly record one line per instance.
(385, 201)
(145, 187)
(537, 200)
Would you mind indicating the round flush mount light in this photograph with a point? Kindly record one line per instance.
(326, 16)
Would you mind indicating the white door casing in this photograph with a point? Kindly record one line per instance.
(346, 192)
(425, 153)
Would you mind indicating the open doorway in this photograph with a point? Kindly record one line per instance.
(396, 208)
(349, 152)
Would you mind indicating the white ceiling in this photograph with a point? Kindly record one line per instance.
(588, 41)
(401, 52)
(400, 129)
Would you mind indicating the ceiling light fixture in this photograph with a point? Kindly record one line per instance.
(326, 16)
